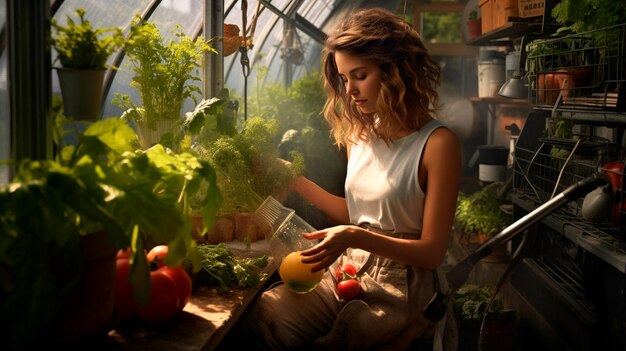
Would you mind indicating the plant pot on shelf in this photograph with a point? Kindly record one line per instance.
(497, 335)
(474, 28)
(88, 309)
(149, 136)
(568, 81)
(474, 240)
(81, 90)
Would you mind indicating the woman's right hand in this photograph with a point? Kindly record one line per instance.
(334, 241)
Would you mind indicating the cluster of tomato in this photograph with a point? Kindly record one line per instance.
(170, 288)
(348, 287)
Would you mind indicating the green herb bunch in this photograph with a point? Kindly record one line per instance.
(248, 165)
(480, 212)
(219, 266)
(164, 72)
(79, 45)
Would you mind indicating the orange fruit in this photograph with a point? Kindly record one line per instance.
(296, 275)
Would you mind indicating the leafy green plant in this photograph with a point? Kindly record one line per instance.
(597, 14)
(164, 72)
(219, 266)
(291, 107)
(247, 164)
(480, 212)
(473, 15)
(102, 183)
(304, 130)
(470, 303)
(79, 45)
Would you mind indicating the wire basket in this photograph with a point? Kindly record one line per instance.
(557, 163)
(579, 71)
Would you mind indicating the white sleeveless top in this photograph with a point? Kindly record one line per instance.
(382, 183)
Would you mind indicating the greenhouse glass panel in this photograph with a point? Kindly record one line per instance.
(264, 43)
(317, 12)
(5, 136)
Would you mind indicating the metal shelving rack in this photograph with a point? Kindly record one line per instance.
(581, 72)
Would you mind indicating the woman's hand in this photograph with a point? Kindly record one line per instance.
(335, 241)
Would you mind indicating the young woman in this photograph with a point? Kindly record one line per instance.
(401, 188)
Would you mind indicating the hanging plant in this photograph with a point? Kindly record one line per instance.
(83, 52)
(79, 45)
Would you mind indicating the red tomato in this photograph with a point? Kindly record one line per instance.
(347, 271)
(124, 303)
(164, 298)
(158, 254)
(178, 274)
(183, 283)
(123, 253)
(348, 289)
(614, 172)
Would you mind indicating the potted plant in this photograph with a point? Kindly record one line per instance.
(163, 74)
(479, 216)
(101, 192)
(248, 170)
(83, 52)
(474, 25)
(499, 330)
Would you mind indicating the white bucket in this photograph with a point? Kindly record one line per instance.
(492, 161)
(489, 73)
(512, 63)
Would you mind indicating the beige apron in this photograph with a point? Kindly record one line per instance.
(388, 314)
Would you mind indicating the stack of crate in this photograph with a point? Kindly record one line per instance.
(496, 13)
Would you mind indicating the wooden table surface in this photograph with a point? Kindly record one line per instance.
(204, 322)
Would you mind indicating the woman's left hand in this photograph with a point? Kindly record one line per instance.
(335, 241)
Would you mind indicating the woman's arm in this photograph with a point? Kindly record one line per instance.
(333, 206)
(441, 167)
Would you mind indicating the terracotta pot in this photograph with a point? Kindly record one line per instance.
(474, 29)
(250, 227)
(500, 255)
(497, 335)
(223, 231)
(231, 40)
(88, 310)
(568, 81)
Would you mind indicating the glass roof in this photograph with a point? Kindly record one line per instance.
(276, 20)
(268, 51)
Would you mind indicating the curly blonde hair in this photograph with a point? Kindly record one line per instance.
(410, 77)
